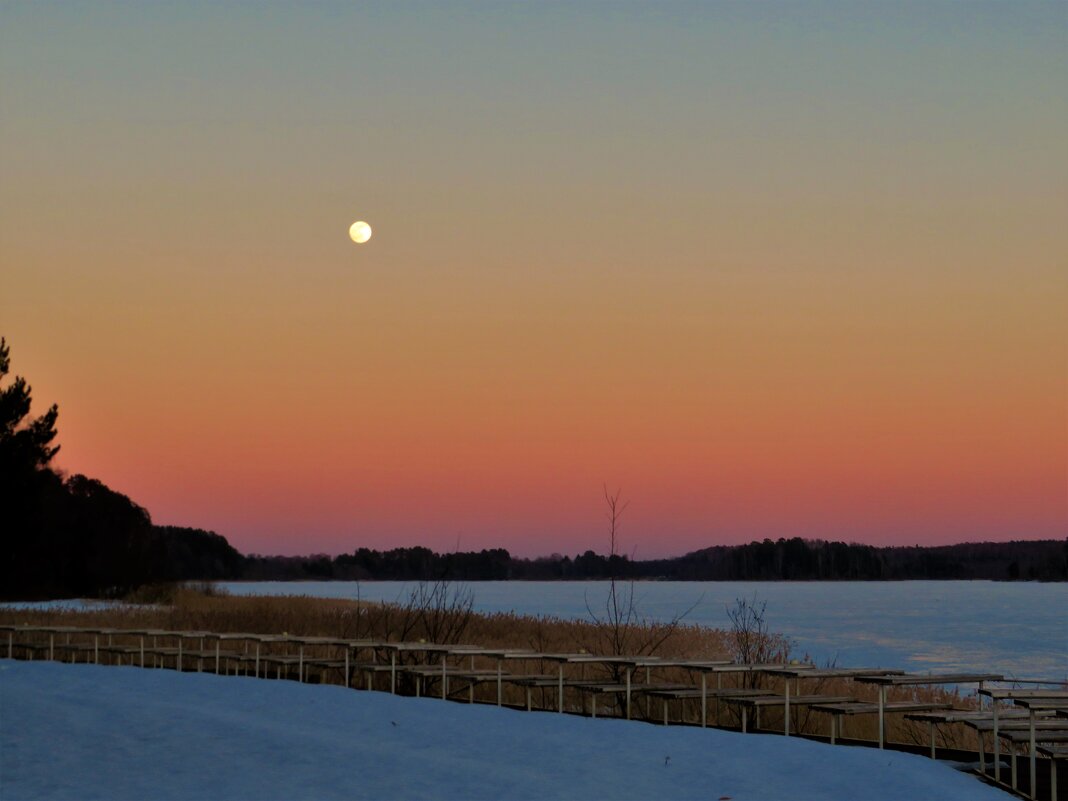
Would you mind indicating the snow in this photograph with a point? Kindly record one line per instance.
(88, 732)
(69, 605)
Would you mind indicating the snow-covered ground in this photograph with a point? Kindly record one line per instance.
(87, 732)
(68, 605)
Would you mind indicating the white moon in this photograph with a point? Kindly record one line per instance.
(359, 232)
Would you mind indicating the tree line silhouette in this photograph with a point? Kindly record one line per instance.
(63, 536)
(793, 559)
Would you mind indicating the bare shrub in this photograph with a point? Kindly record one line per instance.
(437, 611)
(621, 630)
(750, 641)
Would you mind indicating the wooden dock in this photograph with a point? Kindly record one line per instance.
(1028, 724)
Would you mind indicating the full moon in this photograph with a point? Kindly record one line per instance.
(359, 232)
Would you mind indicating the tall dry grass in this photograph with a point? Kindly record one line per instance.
(187, 608)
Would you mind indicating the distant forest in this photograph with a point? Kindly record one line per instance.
(64, 536)
(771, 560)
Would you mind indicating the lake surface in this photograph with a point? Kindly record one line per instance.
(1018, 628)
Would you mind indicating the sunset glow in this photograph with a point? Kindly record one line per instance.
(790, 277)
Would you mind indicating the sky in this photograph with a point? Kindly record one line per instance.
(770, 270)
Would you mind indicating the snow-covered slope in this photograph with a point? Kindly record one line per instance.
(85, 732)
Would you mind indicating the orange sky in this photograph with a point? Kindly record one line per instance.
(769, 279)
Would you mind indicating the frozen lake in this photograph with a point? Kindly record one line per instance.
(1018, 628)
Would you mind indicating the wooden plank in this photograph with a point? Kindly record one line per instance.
(1044, 724)
(484, 676)
(933, 678)
(620, 687)
(1036, 704)
(375, 667)
(436, 670)
(828, 673)
(694, 692)
(866, 708)
(1041, 735)
(964, 715)
(1004, 694)
(779, 700)
(543, 681)
(685, 664)
(507, 653)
